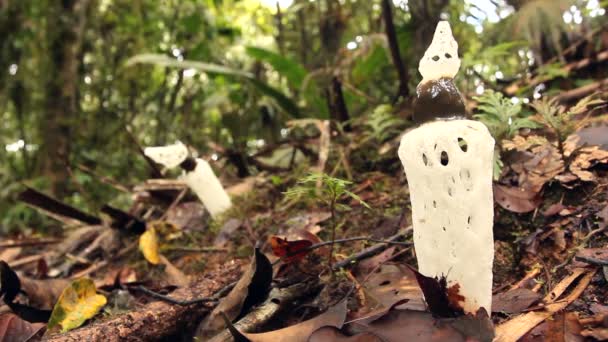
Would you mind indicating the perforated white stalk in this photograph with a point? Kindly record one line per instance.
(202, 180)
(449, 172)
(205, 184)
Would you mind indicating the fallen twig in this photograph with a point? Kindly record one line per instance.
(371, 251)
(28, 242)
(592, 261)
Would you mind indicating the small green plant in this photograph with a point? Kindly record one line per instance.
(329, 191)
(503, 118)
(560, 120)
(383, 124)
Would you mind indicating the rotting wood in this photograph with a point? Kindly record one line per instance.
(278, 301)
(158, 319)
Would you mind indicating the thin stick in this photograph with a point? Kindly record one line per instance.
(372, 250)
(174, 204)
(198, 249)
(25, 243)
(592, 261)
(216, 297)
(175, 301)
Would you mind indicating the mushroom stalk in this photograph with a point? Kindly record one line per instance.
(198, 175)
(448, 162)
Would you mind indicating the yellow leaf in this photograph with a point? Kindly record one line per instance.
(148, 244)
(77, 303)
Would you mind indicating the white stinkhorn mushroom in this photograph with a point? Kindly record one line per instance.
(448, 164)
(198, 175)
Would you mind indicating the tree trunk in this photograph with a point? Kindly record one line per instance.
(391, 36)
(65, 26)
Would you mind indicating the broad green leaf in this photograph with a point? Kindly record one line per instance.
(292, 70)
(162, 60)
(148, 245)
(281, 100)
(78, 302)
(369, 64)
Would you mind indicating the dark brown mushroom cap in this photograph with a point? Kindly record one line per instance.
(438, 99)
(189, 164)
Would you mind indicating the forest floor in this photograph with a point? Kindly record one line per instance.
(265, 265)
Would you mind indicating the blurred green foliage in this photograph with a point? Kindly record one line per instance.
(231, 73)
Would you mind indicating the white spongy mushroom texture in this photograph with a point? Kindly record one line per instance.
(441, 57)
(448, 165)
(205, 184)
(169, 156)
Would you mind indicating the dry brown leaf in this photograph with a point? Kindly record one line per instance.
(512, 330)
(514, 301)
(586, 158)
(10, 254)
(174, 275)
(590, 255)
(600, 334)
(248, 291)
(14, 329)
(521, 144)
(408, 325)
(227, 231)
(366, 266)
(518, 200)
(187, 216)
(538, 166)
(331, 334)
(393, 283)
(333, 317)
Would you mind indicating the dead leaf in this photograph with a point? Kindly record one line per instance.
(174, 275)
(441, 300)
(41, 294)
(14, 329)
(330, 334)
(187, 216)
(537, 166)
(514, 301)
(290, 251)
(590, 255)
(514, 199)
(393, 283)
(308, 221)
(367, 265)
(522, 144)
(117, 277)
(251, 289)
(407, 325)
(600, 334)
(333, 317)
(10, 254)
(515, 328)
(553, 209)
(78, 303)
(586, 158)
(562, 327)
(148, 245)
(227, 231)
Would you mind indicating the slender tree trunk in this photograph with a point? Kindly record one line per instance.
(65, 27)
(337, 106)
(391, 35)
